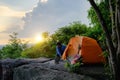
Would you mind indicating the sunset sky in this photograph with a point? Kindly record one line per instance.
(31, 17)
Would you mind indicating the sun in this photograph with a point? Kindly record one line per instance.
(38, 38)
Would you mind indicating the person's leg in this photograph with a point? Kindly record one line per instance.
(57, 59)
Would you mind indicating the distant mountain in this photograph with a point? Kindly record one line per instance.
(29, 45)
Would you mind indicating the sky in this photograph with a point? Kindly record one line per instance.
(31, 17)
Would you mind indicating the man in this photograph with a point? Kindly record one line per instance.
(59, 51)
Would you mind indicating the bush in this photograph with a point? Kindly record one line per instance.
(73, 67)
(42, 49)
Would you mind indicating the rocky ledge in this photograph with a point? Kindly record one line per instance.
(43, 69)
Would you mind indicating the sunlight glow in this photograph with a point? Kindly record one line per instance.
(38, 38)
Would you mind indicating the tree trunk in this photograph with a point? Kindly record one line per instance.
(112, 15)
(117, 23)
(112, 50)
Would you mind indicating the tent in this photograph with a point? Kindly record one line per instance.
(86, 47)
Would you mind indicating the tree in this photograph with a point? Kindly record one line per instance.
(96, 31)
(112, 40)
(63, 34)
(45, 35)
(47, 47)
(14, 48)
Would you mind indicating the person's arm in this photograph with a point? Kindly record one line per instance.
(57, 50)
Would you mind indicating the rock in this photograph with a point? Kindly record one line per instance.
(95, 71)
(0, 70)
(44, 69)
(8, 66)
(51, 65)
(37, 71)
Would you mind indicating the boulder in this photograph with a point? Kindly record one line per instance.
(7, 66)
(45, 69)
(38, 71)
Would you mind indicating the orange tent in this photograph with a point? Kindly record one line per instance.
(86, 47)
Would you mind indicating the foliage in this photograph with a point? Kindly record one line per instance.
(39, 50)
(63, 34)
(96, 31)
(14, 48)
(112, 31)
(92, 16)
(73, 67)
(108, 71)
(46, 48)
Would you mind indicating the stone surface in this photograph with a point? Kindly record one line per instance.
(45, 69)
(8, 65)
(52, 65)
(39, 72)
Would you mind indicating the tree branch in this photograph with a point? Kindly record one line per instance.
(111, 48)
(104, 26)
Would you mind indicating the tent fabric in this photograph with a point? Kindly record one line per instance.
(90, 49)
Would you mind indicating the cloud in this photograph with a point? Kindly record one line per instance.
(11, 25)
(10, 19)
(53, 15)
(47, 15)
(11, 16)
(19, 5)
(5, 11)
(44, 1)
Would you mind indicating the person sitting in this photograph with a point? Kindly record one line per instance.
(59, 51)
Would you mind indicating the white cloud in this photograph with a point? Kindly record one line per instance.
(9, 19)
(11, 24)
(6, 11)
(44, 1)
(19, 5)
(11, 14)
(54, 14)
